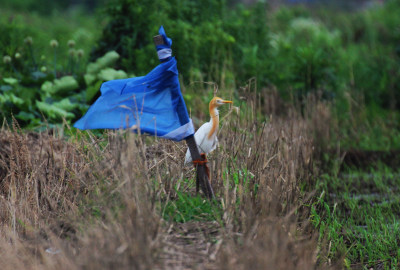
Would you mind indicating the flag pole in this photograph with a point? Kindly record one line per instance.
(202, 180)
(201, 175)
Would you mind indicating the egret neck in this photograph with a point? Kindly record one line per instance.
(214, 104)
(214, 119)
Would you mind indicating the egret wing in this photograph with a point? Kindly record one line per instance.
(201, 140)
(215, 144)
(203, 143)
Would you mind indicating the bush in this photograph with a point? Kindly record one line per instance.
(207, 36)
(370, 59)
(296, 49)
(305, 57)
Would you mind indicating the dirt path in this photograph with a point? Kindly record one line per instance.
(191, 245)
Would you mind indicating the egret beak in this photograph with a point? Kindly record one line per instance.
(227, 101)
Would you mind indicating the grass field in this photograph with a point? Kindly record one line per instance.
(122, 200)
(76, 200)
(360, 217)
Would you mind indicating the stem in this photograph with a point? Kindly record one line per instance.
(15, 71)
(33, 57)
(78, 63)
(72, 65)
(55, 63)
(67, 70)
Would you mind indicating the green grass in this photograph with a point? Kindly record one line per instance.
(371, 130)
(187, 208)
(358, 216)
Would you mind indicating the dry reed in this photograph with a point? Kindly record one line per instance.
(88, 202)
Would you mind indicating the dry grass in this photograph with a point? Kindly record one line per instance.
(89, 204)
(99, 201)
(267, 229)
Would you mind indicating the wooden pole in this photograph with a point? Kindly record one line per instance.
(201, 175)
(202, 180)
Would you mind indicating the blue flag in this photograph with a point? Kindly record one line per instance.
(152, 104)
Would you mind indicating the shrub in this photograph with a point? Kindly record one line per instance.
(305, 57)
(207, 36)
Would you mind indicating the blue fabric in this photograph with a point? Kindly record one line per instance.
(153, 103)
(167, 41)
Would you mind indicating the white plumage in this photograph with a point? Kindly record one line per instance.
(204, 144)
(206, 135)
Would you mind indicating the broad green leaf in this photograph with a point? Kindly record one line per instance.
(16, 100)
(10, 81)
(109, 74)
(5, 88)
(25, 116)
(89, 78)
(65, 104)
(62, 85)
(65, 84)
(47, 87)
(53, 111)
(107, 60)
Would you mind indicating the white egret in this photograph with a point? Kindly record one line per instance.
(206, 135)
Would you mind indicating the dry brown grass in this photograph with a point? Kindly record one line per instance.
(98, 200)
(89, 203)
(268, 229)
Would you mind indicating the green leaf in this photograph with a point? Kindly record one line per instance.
(109, 74)
(53, 111)
(25, 116)
(89, 78)
(5, 88)
(65, 84)
(47, 87)
(347, 263)
(16, 100)
(65, 104)
(91, 91)
(60, 86)
(38, 75)
(10, 81)
(107, 60)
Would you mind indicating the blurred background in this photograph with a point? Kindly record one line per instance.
(56, 54)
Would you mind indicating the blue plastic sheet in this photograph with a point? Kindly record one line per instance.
(152, 104)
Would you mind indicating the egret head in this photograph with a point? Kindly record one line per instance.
(217, 101)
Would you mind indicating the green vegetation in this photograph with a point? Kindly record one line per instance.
(346, 57)
(210, 40)
(187, 207)
(357, 214)
(43, 63)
